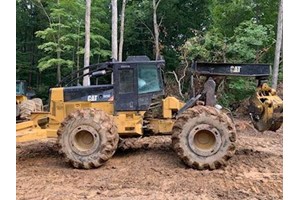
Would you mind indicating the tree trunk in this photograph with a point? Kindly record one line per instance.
(156, 27)
(114, 30)
(122, 30)
(278, 48)
(78, 59)
(58, 73)
(86, 79)
(77, 53)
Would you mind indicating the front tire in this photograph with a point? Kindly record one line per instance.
(204, 137)
(88, 138)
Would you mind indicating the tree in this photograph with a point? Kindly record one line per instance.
(173, 31)
(114, 29)
(86, 79)
(55, 41)
(249, 43)
(278, 48)
(209, 26)
(122, 30)
(100, 31)
(156, 28)
(29, 19)
(180, 80)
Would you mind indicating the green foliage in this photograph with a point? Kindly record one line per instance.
(226, 15)
(246, 45)
(48, 62)
(210, 47)
(250, 41)
(209, 31)
(56, 43)
(235, 35)
(236, 90)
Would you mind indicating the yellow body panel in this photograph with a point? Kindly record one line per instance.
(129, 123)
(72, 106)
(161, 126)
(46, 124)
(28, 131)
(57, 104)
(61, 109)
(270, 105)
(171, 105)
(20, 98)
(31, 134)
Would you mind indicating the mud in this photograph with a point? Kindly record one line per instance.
(149, 169)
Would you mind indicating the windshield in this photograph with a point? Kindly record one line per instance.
(148, 78)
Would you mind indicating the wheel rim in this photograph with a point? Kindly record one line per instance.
(204, 140)
(84, 140)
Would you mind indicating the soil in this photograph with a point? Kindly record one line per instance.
(149, 169)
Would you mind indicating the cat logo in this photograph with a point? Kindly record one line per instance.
(92, 97)
(235, 69)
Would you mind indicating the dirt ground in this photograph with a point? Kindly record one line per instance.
(151, 170)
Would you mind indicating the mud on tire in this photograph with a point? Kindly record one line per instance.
(204, 137)
(88, 138)
(38, 104)
(26, 108)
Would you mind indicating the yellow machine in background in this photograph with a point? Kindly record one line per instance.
(24, 104)
(89, 120)
(266, 109)
(20, 94)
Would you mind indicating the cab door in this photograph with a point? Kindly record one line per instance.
(125, 87)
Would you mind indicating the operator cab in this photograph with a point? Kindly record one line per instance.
(136, 82)
(21, 87)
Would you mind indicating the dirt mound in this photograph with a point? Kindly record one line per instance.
(149, 169)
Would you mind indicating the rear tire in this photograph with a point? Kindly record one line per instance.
(38, 104)
(88, 138)
(26, 108)
(204, 137)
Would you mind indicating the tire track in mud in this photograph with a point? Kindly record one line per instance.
(149, 169)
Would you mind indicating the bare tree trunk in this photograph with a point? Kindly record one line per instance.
(278, 47)
(58, 73)
(77, 53)
(122, 30)
(78, 67)
(156, 27)
(72, 67)
(114, 30)
(180, 80)
(86, 79)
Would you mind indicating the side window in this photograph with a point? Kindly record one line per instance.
(126, 81)
(148, 80)
(18, 86)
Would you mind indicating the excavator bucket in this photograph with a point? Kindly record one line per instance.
(266, 109)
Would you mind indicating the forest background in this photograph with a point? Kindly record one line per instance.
(50, 39)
